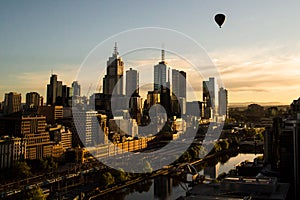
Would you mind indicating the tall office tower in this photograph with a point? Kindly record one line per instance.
(161, 85)
(132, 83)
(114, 73)
(57, 92)
(65, 96)
(59, 89)
(223, 101)
(32, 100)
(178, 99)
(12, 103)
(160, 73)
(52, 90)
(132, 91)
(76, 89)
(179, 83)
(209, 96)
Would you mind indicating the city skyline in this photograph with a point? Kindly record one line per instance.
(149, 99)
(258, 63)
(174, 79)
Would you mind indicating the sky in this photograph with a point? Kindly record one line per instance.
(256, 52)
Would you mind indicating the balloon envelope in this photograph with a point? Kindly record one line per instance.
(220, 18)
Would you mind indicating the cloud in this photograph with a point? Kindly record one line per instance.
(28, 81)
(260, 73)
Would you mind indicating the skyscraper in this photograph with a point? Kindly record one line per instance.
(52, 90)
(114, 73)
(32, 100)
(160, 73)
(210, 95)
(161, 85)
(179, 83)
(57, 93)
(178, 102)
(223, 101)
(75, 89)
(12, 103)
(132, 83)
(132, 91)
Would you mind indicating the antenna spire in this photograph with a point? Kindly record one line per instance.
(116, 49)
(163, 55)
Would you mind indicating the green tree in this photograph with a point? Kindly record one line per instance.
(34, 194)
(217, 147)
(121, 176)
(224, 144)
(185, 157)
(106, 179)
(21, 170)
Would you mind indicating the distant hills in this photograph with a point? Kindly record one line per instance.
(245, 104)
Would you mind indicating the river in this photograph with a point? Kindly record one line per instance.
(165, 188)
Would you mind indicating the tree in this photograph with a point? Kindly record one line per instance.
(34, 194)
(224, 144)
(21, 170)
(106, 179)
(121, 176)
(217, 147)
(47, 163)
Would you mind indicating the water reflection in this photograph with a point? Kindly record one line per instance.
(165, 187)
(162, 187)
(212, 172)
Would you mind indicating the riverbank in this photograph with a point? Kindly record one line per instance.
(210, 160)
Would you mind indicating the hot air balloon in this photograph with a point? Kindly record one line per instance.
(220, 18)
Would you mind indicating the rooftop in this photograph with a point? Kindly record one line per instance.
(240, 188)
